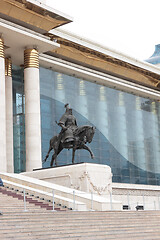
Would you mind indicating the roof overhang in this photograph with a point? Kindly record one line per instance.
(96, 47)
(33, 13)
(86, 53)
(16, 39)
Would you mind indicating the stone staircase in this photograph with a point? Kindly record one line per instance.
(40, 223)
(9, 197)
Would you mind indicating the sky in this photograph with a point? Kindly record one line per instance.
(131, 27)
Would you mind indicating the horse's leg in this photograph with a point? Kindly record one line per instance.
(54, 157)
(73, 154)
(83, 146)
(50, 148)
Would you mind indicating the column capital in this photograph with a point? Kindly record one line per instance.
(31, 58)
(1, 47)
(8, 67)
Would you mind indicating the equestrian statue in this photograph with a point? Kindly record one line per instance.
(70, 137)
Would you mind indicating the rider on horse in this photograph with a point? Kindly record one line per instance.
(70, 137)
(68, 124)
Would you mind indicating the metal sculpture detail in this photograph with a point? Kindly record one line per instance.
(70, 137)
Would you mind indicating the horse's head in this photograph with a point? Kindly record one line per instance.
(90, 133)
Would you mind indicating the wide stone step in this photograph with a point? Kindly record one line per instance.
(45, 225)
(87, 227)
(89, 217)
(95, 234)
(52, 232)
(39, 223)
(21, 215)
(73, 220)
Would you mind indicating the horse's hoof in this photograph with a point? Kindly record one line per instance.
(92, 156)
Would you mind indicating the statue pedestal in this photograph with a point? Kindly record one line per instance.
(87, 177)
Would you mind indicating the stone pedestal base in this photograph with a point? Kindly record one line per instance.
(87, 177)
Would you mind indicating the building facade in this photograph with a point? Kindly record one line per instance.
(155, 58)
(43, 67)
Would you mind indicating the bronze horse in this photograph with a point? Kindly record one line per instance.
(82, 135)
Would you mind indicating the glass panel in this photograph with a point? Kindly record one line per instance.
(127, 126)
(18, 120)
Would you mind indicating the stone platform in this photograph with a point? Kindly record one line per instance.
(87, 177)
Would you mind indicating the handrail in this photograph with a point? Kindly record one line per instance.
(59, 198)
(99, 203)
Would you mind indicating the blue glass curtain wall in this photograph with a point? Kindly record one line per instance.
(127, 126)
(18, 120)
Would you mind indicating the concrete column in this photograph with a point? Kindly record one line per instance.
(9, 115)
(3, 164)
(32, 109)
